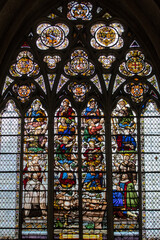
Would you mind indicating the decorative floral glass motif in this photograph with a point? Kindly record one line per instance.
(93, 171)
(118, 81)
(107, 78)
(124, 167)
(41, 83)
(153, 94)
(135, 64)
(25, 45)
(134, 44)
(106, 61)
(7, 83)
(96, 82)
(35, 167)
(60, 8)
(107, 15)
(79, 90)
(52, 61)
(153, 81)
(99, 9)
(25, 65)
(52, 16)
(10, 145)
(51, 79)
(52, 36)
(62, 81)
(23, 91)
(66, 180)
(107, 36)
(79, 10)
(136, 90)
(79, 64)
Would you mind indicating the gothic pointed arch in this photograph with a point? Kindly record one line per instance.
(81, 122)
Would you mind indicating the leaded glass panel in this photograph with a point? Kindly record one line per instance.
(10, 145)
(150, 125)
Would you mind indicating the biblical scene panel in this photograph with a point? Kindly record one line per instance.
(35, 172)
(66, 182)
(94, 203)
(10, 141)
(150, 156)
(125, 167)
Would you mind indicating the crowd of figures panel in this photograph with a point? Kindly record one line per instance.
(124, 168)
(66, 179)
(94, 202)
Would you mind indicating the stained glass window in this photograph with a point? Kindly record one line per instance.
(79, 130)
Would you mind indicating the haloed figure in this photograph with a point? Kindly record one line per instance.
(92, 112)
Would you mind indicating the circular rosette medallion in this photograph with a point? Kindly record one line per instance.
(137, 90)
(79, 65)
(78, 90)
(79, 11)
(24, 91)
(24, 65)
(52, 36)
(135, 64)
(106, 36)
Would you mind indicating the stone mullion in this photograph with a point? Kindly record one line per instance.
(50, 223)
(80, 178)
(110, 224)
(139, 175)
